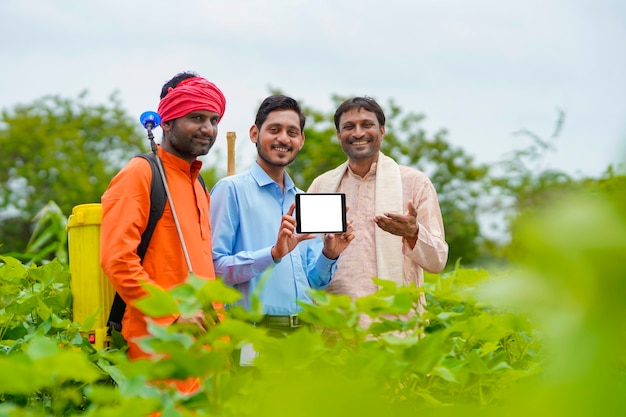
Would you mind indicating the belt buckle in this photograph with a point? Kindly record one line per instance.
(294, 321)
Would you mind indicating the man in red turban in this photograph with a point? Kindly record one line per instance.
(190, 109)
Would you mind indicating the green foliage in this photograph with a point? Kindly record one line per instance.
(66, 150)
(49, 238)
(80, 146)
(520, 182)
(574, 283)
(610, 187)
(39, 369)
(545, 336)
(459, 352)
(34, 297)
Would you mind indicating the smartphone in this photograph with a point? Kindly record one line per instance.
(320, 213)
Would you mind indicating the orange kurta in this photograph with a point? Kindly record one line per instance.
(125, 212)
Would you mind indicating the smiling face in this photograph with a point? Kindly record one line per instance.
(360, 135)
(278, 140)
(191, 135)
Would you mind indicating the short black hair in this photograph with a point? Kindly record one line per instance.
(176, 79)
(357, 103)
(278, 102)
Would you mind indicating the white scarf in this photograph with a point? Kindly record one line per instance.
(389, 258)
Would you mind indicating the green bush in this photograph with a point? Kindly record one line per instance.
(467, 353)
(544, 337)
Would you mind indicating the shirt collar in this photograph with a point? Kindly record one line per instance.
(263, 179)
(193, 169)
(369, 174)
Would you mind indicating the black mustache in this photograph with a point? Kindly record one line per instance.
(282, 146)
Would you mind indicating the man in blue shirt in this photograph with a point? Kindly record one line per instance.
(254, 227)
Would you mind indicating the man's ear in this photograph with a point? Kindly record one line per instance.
(254, 134)
(166, 126)
(301, 142)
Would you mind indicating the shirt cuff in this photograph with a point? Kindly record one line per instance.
(324, 262)
(264, 258)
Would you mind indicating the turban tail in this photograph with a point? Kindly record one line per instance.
(190, 95)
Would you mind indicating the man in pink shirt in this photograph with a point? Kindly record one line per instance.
(395, 212)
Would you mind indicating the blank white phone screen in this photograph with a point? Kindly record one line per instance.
(321, 213)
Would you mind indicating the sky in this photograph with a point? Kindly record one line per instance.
(481, 69)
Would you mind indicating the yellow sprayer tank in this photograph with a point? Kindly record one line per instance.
(91, 290)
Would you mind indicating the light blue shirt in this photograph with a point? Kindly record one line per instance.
(246, 213)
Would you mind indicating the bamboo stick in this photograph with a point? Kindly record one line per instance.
(230, 141)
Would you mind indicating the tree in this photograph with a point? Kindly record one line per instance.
(67, 151)
(521, 183)
(61, 150)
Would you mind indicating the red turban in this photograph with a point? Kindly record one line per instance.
(190, 95)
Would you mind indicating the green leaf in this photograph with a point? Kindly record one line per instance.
(18, 376)
(158, 302)
(12, 269)
(443, 372)
(41, 347)
(43, 311)
(428, 352)
(476, 364)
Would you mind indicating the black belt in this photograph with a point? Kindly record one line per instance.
(291, 321)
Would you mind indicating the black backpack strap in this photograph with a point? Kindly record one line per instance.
(202, 182)
(157, 205)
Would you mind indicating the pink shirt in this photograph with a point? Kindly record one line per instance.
(357, 264)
